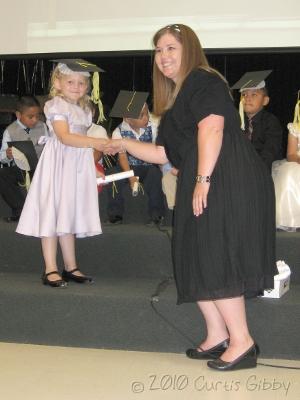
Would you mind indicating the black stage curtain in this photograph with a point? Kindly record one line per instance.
(133, 71)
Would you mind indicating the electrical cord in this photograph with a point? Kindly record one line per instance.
(278, 366)
(173, 326)
(161, 287)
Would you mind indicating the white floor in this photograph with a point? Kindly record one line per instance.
(59, 373)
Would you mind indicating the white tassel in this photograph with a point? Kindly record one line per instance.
(27, 180)
(297, 115)
(241, 112)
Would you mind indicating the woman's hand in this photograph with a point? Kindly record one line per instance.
(99, 144)
(200, 198)
(114, 146)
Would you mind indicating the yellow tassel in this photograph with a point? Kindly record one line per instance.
(107, 158)
(26, 183)
(109, 163)
(241, 112)
(95, 96)
(297, 113)
(141, 188)
(114, 189)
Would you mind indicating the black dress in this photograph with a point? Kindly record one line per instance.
(229, 250)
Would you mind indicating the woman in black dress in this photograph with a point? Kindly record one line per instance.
(223, 243)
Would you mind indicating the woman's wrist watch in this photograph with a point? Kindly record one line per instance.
(203, 178)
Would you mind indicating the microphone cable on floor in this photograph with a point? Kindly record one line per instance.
(278, 366)
(162, 286)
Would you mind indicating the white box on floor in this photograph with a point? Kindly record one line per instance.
(281, 281)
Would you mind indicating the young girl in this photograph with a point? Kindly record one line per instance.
(286, 176)
(62, 200)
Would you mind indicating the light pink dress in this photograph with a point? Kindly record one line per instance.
(63, 195)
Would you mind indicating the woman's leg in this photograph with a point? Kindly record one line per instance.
(67, 244)
(233, 313)
(215, 325)
(49, 249)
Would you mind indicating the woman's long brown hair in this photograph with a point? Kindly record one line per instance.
(193, 57)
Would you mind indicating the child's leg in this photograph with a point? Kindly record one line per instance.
(67, 244)
(49, 249)
(153, 188)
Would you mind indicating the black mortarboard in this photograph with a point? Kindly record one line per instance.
(67, 66)
(79, 65)
(252, 80)
(25, 157)
(129, 104)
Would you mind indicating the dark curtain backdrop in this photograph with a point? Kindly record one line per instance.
(30, 75)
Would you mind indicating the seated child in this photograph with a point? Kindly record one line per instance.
(286, 176)
(141, 126)
(27, 126)
(261, 127)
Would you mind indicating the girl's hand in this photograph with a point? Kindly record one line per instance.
(200, 198)
(99, 144)
(114, 146)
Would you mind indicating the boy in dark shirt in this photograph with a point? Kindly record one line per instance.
(262, 128)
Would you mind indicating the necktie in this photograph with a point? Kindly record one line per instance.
(250, 130)
(27, 130)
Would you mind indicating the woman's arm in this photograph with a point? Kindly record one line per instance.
(292, 149)
(61, 129)
(148, 152)
(210, 136)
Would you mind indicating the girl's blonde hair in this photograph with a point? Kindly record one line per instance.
(57, 74)
(193, 57)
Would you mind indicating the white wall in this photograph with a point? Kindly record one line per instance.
(49, 26)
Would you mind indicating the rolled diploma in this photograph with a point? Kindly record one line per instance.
(115, 177)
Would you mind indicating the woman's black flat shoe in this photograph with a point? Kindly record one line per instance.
(213, 352)
(58, 283)
(245, 360)
(69, 276)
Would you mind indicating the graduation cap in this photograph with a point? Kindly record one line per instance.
(25, 157)
(76, 65)
(68, 66)
(129, 104)
(254, 80)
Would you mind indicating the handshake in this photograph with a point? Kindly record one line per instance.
(110, 146)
